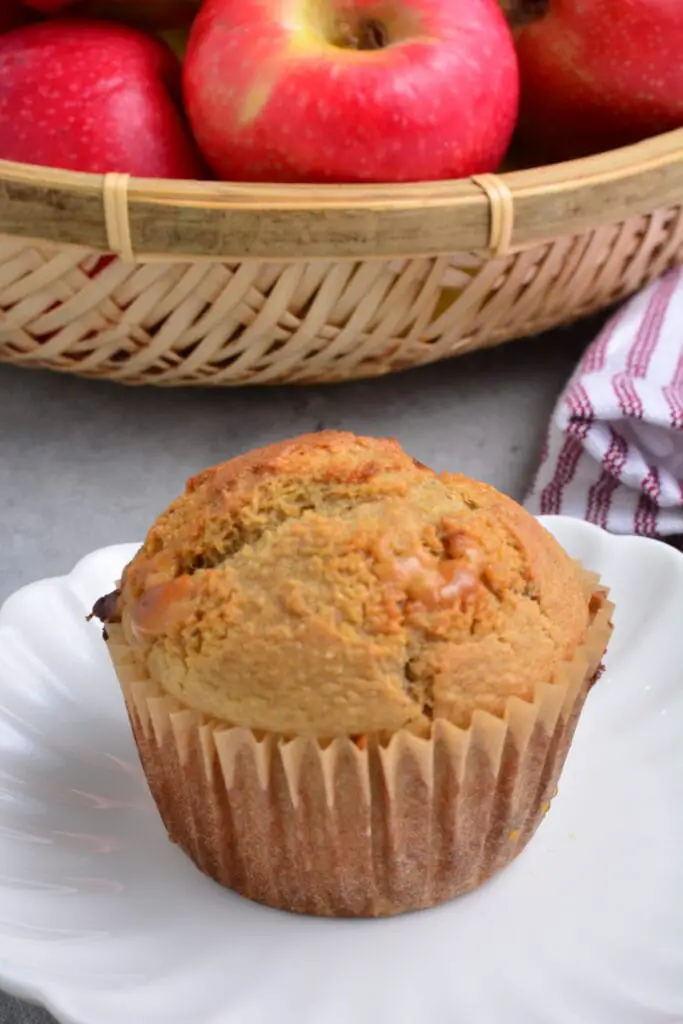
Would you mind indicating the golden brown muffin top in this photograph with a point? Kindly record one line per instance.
(333, 585)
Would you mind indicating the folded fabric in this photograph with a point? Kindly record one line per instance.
(614, 450)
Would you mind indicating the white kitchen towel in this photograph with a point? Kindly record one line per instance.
(614, 450)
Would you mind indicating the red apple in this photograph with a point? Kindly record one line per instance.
(93, 96)
(351, 90)
(596, 76)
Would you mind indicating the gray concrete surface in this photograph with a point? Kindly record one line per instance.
(85, 464)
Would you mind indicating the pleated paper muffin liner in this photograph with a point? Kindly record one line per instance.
(358, 828)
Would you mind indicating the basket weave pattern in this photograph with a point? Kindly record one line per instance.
(215, 283)
(259, 322)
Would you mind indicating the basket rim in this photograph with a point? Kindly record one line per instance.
(229, 220)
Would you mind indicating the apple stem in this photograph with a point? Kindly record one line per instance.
(369, 34)
(372, 35)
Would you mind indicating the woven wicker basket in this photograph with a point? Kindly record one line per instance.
(228, 284)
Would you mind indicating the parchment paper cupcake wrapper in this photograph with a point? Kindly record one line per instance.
(356, 828)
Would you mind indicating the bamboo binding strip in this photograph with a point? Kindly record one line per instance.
(214, 220)
(116, 218)
(501, 212)
(222, 284)
(119, 239)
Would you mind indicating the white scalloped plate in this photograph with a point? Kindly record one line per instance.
(105, 922)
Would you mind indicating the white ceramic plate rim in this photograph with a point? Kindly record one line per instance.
(57, 999)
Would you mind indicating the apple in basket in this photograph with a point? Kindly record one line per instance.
(93, 96)
(596, 76)
(351, 90)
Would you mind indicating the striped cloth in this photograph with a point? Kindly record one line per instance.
(614, 450)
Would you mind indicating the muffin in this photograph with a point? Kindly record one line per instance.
(352, 681)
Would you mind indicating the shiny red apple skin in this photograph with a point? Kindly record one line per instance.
(93, 96)
(269, 99)
(599, 75)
